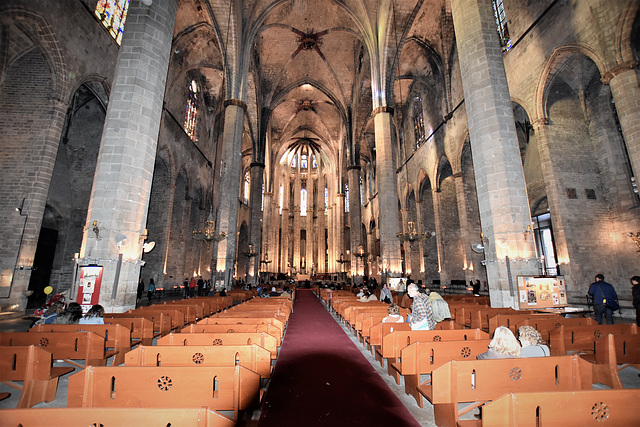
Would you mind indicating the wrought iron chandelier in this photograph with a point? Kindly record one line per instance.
(411, 234)
(209, 234)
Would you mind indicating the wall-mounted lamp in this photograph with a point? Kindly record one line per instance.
(636, 238)
(21, 206)
(143, 236)
(527, 231)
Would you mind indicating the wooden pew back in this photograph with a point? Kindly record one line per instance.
(252, 357)
(229, 320)
(262, 339)
(161, 321)
(394, 342)
(230, 329)
(141, 328)
(582, 338)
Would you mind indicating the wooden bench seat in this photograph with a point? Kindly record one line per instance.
(252, 357)
(545, 326)
(117, 337)
(218, 388)
(230, 329)
(33, 367)
(183, 417)
(394, 342)
(250, 314)
(141, 329)
(161, 321)
(568, 408)
(511, 321)
(229, 320)
(178, 319)
(582, 339)
(473, 383)
(613, 354)
(380, 330)
(68, 346)
(421, 358)
(262, 339)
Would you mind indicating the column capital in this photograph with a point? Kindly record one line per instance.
(541, 122)
(257, 164)
(236, 102)
(616, 70)
(382, 109)
(353, 167)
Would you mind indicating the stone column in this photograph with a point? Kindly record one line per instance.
(444, 277)
(322, 225)
(332, 266)
(296, 224)
(339, 231)
(355, 218)
(229, 189)
(389, 221)
(255, 220)
(502, 195)
(311, 231)
(117, 213)
(267, 233)
(464, 225)
(284, 226)
(623, 81)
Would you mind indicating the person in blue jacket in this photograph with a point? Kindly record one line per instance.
(604, 295)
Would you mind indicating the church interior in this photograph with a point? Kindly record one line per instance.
(446, 140)
(330, 143)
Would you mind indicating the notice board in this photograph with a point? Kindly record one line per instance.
(542, 292)
(89, 286)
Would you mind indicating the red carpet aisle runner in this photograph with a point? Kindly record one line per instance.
(322, 379)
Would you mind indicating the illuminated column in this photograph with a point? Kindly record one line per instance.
(444, 277)
(420, 272)
(464, 226)
(284, 225)
(311, 231)
(339, 230)
(296, 224)
(502, 193)
(124, 170)
(355, 218)
(389, 221)
(268, 226)
(331, 258)
(322, 225)
(229, 188)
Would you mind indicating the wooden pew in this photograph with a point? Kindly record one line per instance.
(576, 408)
(394, 342)
(141, 329)
(380, 330)
(262, 339)
(161, 321)
(68, 346)
(249, 314)
(545, 326)
(511, 321)
(481, 381)
(582, 339)
(117, 337)
(242, 321)
(34, 368)
(421, 358)
(192, 311)
(183, 417)
(178, 320)
(230, 329)
(252, 357)
(612, 351)
(218, 388)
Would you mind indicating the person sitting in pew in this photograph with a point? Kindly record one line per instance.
(439, 307)
(368, 296)
(94, 316)
(531, 342)
(71, 316)
(504, 345)
(394, 315)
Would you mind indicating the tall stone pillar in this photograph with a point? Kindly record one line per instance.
(623, 80)
(464, 225)
(311, 231)
(355, 218)
(268, 227)
(117, 213)
(339, 231)
(389, 221)
(255, 219)
(284, 226)
(296, 224)
(502, 195)
(229, 188)
(437, 210)
(322, 225)
(331, 257)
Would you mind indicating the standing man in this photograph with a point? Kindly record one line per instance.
(150, 291)
(635, 293)
(604, 296)
(421, 313)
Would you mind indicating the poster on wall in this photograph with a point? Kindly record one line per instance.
(541, 292)
(89, 286)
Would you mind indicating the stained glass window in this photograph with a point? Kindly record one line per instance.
(326, 200)
(113, 14)
(346, 197)
(303, 161)
(303, 202)
(314, 163)
(281, 199)
(262, 199)
(294, 161)
(361, 191)
(247, 186)
(191, 114)
(501, 25)
(418, 121)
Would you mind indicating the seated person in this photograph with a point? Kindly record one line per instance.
(368, 296)
(56, 309)
(531, 341)
(71, 315)
(94, 316)
(362, 291)
(394, 315)
(504, 345)
(439, 307)
(274, 292)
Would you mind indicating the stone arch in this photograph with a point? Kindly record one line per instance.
(624, 30)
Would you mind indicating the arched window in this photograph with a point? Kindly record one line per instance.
(113, 14)
(262, 199)
(501, 25)
(294, 161)
(191, 114)
(314, 163)
(361, 191)
(418, 121)
(281, 199)
(303, 202)
(346, 197)
(326, 200)
(247, 187)
(303, 161)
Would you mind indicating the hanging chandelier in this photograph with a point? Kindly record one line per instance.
(209, 234)
(411, 234)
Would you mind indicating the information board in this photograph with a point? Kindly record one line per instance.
(542, 292)
(89, 287)
(397, 283)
